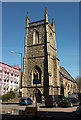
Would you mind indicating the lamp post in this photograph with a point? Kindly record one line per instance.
(21, 69)
(21, 57)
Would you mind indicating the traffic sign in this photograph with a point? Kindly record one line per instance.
(36, 91)
(30, 111)
(36, 81)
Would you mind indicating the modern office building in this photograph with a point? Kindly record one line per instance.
(9, 77)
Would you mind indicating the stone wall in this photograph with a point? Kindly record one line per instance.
(40, 51)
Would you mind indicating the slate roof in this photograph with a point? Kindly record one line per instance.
(65, 74)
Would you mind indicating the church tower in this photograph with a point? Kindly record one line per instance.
(40, 63)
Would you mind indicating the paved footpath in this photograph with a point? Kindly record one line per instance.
(58, 109)
(46, 113)
(10, 107)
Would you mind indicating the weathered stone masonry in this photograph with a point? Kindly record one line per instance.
(40, 60)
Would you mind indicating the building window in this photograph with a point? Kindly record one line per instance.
(68, 87)
(0, 69)
(5, 72)
(8, 70)
(11, 74)
(16, 82)
(50, 34)
(7, 88)
(8, 73)
(4, 80)
(11, 78)
(0, 88)
(35, 37)
(7, 80)
(4, 88)
(66, 83)
(5, 77)
(0, 76)
(11, 81)
(36, 75)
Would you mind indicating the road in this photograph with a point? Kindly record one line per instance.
(56, 113)
(9, 107)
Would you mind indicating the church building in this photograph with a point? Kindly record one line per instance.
(42, 72)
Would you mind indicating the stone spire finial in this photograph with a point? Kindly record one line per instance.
(27, 16)
(27, 20)
(46, 15)
(53, 25)
(46, 11)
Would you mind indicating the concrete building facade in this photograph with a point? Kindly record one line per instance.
(9, 77)
(41, 67)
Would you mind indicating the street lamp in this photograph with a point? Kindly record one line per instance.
(21, 69)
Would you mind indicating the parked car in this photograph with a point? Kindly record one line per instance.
(78, 110)
(69, 102)
(52, 100)
(25, 101)
(73, 95)
(79, 96)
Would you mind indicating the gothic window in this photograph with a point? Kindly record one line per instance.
(50, 34)
(68, 86)
(36, 75)
(66, 83)
(35, 37)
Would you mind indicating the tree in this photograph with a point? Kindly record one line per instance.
(9, 95)
(78, 80)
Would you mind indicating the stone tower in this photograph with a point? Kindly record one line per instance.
(40, 63)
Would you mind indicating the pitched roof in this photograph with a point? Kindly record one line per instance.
(65, 74)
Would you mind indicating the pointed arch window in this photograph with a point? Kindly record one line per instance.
(36, 75)
(35, 37)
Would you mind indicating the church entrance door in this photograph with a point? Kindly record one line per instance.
(37, 93)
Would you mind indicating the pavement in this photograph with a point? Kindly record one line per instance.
(48, 116)
(43, 112)
(40, 107)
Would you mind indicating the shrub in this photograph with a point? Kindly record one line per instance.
(7, 96)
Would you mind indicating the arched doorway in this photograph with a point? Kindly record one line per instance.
(37, 93)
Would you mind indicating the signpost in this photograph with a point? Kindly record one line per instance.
(30, 111)
(36, 98)
(36, 81)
